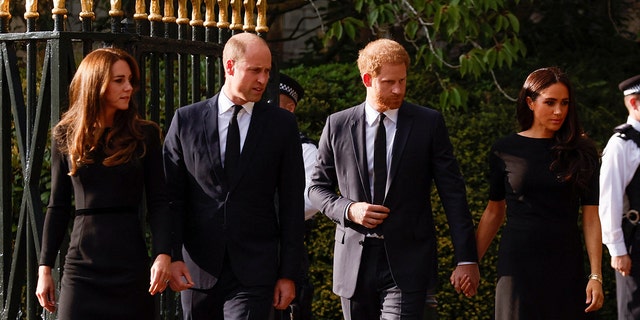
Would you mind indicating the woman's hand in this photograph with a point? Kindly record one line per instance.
(46, 290)
(595, 295)
(160, 274)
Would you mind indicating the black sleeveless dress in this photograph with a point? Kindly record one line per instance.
(541, 258)
(107, 268)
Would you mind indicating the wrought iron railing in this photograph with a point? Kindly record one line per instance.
(179, 62)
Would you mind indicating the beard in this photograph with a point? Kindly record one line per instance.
(389, 102)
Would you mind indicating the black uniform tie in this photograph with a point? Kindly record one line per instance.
(380, 162)
(232, 154)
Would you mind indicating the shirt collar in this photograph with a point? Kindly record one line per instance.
(224, 104)
(371, 114)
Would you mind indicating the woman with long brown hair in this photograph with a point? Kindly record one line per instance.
(105, 161)
(540, 178)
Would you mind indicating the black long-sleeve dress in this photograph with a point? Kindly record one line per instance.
(106, 269)
(541, 258)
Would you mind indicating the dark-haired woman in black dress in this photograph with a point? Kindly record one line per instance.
(540, 177)
(104, 158)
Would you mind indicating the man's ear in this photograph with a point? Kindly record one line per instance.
(366, 79)
(228, 67)
(633, 101)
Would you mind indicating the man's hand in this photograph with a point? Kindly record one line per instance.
(622, 264)
(180, 277)
(283, 293)
(465, 278)
(366, 214)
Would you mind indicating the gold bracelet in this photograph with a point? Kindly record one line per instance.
(596, 277)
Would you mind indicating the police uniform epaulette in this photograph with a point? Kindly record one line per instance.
(305, 139)
(626, 132)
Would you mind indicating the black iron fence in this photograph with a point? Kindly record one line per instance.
(179, 61)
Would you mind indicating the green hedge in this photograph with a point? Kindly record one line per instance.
(488, 116)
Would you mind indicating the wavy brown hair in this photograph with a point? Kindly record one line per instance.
(78, 134)
(575, 157)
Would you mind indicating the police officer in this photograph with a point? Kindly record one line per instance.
(620, 202)
(290, 93)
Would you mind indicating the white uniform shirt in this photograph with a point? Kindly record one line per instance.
(620, 159)
(309, 154)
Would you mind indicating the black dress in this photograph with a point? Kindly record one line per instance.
(541, 258)
(106, 269)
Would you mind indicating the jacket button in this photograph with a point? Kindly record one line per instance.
(361, 242)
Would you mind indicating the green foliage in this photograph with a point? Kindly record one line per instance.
(481, 35)
(326, 304)
(328, 88)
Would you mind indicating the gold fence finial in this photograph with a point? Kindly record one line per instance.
(154, 11)
(196, 15)
(249, 25)
(4, 9)
(116, 9)
(183, 17)
(223, 15)
(141, 11)
(236, 15)
(59, 7)
(31, 11)
(210, 17)
(87, 10)
(262, 17)
(169, 13)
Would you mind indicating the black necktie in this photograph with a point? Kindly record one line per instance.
(380, 162)
(232, 154)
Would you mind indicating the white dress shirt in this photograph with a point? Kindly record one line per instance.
(620, 159)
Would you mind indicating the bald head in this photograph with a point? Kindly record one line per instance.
(236, 47)
(247, 64)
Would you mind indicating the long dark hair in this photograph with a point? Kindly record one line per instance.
(78, 132)
(575, 158)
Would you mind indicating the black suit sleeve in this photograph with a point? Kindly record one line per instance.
(160, 217)
(291, 184)
(175, 172)
(453, 196)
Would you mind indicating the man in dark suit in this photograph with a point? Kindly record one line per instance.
(228, 161)
(385, 241)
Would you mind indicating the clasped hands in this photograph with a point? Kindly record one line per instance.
(465, 278)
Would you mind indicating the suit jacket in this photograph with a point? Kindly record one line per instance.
(257, 219)
(421, 154)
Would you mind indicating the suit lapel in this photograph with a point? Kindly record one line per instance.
(212, 138)
(359, 148)
(403, 127)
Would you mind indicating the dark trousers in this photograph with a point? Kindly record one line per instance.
(628, 288)
(227, 300)
(376, 295)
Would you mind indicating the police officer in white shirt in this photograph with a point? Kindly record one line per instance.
(619, 202)
(290, 94)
